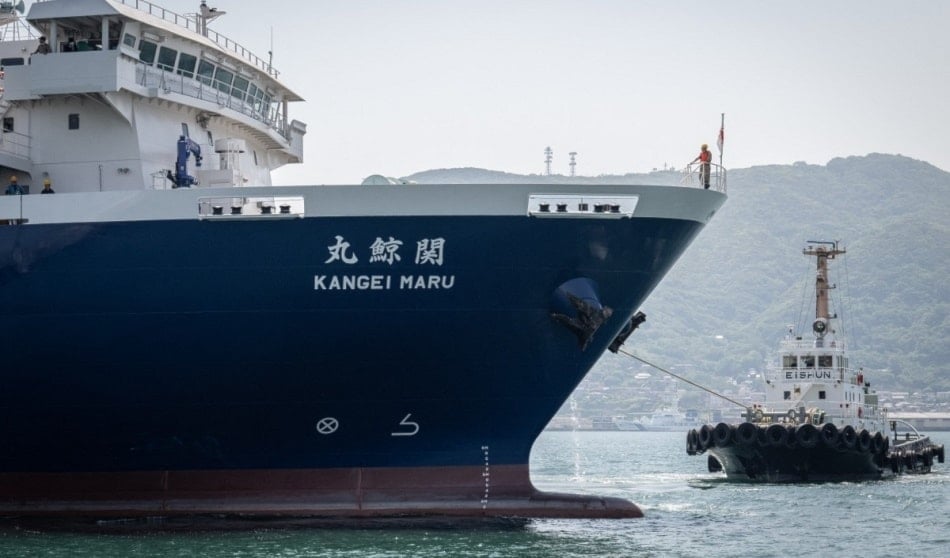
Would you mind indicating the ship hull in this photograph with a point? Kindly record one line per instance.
(212, 361)
(390, 492)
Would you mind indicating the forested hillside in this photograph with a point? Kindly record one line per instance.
(726, 304)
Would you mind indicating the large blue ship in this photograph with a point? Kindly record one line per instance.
(177, 342)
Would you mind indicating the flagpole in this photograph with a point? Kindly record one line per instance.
(722, 129)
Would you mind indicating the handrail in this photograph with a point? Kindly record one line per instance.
(191, 24)
(717, 176)
(148, 76)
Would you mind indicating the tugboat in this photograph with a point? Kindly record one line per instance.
(820, 420)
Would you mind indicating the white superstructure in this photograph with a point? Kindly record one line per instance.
(123, 81)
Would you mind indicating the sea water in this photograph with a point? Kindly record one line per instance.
(689, 512)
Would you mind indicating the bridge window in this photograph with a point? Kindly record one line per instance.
(7, 123)
(824, 361)
(789, 361)
(265, 106)
(147, 51)
(258, 99)
(167, 58)
(11, 61)
(128, 40)
(186, 65)
(240, 87)
(808, 361)
(205, 71)
(222, 80)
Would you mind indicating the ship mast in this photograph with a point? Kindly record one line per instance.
(823, 253)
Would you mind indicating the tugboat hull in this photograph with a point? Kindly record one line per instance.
(786, 453)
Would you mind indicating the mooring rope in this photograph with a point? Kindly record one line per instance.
(690, 382)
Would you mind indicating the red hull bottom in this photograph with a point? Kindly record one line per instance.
(463, 492)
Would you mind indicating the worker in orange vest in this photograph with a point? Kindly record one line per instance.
(705, 158)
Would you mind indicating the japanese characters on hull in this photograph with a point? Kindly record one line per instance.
(429, 252)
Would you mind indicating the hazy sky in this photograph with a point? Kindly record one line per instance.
(399, 86)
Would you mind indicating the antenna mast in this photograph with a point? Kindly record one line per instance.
(823, 251)
(548, 154)
(206, 14)
(573, 163)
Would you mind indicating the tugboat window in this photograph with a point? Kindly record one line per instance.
(808, 361)
(824, 361)
(11, 61)
(74, 121)
(790, 361)
(787, 395)
(821, 394)
(128, 40)
(7, 123)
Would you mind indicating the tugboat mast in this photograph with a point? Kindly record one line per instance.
(822, 254)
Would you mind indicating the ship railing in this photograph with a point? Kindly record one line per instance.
(190, 22)
(250, 207)
(692, 176)
(150, 77)
(799, 412)
(832, 345)
(15, 144)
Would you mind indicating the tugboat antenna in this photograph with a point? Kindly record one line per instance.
(822, 314)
